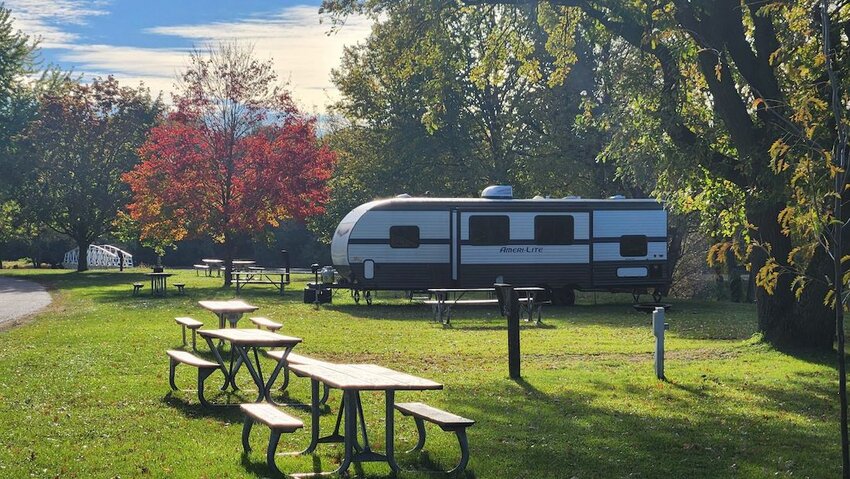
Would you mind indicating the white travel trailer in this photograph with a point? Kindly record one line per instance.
(414, 244)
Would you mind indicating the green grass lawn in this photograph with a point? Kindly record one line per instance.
(84, 389)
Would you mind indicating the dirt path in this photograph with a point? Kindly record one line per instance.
(20, 298)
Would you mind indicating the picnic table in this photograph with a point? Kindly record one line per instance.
(445, 298)
(213, 264)
(242, 264)
(241, 341)
(256, 275)
(352, 379)
(158, 283)
(230, 311)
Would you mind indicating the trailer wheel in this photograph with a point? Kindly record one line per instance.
(564, 296)
(356, 295)
(368, 296)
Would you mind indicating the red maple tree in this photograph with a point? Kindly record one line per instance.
(235, 156)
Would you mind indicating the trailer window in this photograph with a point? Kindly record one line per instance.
(632, 245)
(404, 236)
(553, 229)
(489, 230)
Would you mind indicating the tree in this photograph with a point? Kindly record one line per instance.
(16, 107)
(234, 157)
(72, 156)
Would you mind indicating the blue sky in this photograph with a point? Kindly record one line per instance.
(148, 40)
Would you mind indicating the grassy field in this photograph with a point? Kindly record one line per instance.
(84, 389)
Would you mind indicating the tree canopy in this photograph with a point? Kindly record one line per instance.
(73, 153)
(235, 156)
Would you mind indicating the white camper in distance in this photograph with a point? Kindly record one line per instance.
(414, 244)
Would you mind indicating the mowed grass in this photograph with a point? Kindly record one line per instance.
(84, 389)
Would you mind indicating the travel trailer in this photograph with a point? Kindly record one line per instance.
(568, 244)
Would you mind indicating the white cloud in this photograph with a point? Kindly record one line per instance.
(303, 51)
(44, 19)
(296, 40)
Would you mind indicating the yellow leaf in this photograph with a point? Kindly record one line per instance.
(718, 71)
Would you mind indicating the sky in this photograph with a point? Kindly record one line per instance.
(149, 40)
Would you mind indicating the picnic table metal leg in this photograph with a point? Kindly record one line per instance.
(362, 419)
(246, 433)
(350, 429)
(256, 374)
(464, 452)
(281, 365)
(420, 428)
(390, 424)
(235, 364)
(220, 361)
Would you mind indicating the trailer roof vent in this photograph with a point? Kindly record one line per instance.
(538, 197)
(572, 197)
(498, 192)
(617, 197)
(403, 195)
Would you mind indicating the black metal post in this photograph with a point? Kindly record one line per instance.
(285, 256)
(509, 303)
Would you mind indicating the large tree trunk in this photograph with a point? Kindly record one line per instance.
(783, 320)
(813, 323)
(228, 261)
(83, 258)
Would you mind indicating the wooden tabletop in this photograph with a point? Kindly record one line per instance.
(231, 306)
(243, 261)
(250, 337)
(165, 275)
(213, 261)
(363, 377)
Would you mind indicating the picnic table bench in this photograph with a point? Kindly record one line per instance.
(204, 367)
(445, 420)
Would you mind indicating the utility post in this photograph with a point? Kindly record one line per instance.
(658, 328)
(509, 305)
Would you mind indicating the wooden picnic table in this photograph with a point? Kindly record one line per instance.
(352, 379)
(241, 341)
(231, 310)
(213, 264)
(241, 264)
(445, 298)
(254, 275)
(158, 283)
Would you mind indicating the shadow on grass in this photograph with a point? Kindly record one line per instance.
(223, 411)
(572, 433)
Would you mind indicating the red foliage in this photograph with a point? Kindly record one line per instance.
(234, 157)
(183, 187)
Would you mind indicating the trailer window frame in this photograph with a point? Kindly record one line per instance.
(401, 237)
(553, 236)
(634, 246)
(489, 230)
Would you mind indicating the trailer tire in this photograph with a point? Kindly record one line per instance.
(564, 296)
